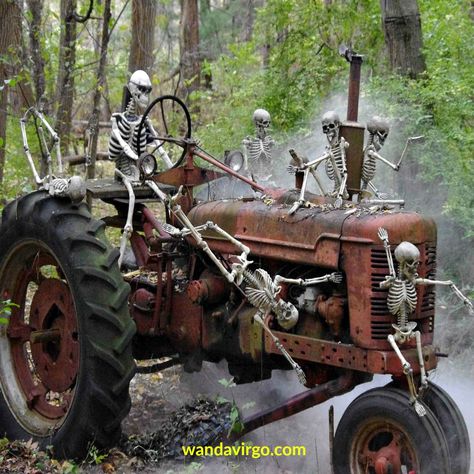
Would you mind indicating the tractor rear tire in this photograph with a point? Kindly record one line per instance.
(66, 352)
(380, 432)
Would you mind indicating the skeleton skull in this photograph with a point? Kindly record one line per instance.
(287, 314)
(262, 120)
(378, 128)
(331, 123)
(408, 257)
(140, 88)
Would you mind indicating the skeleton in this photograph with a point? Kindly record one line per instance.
(125, 141)
(261, 291)
(258, 156)
(73, 187)
(401, 302)
(335, 162)
(378, 129)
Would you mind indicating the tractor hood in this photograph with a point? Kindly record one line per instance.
(311, 236)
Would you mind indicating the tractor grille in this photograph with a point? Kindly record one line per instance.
(381, 319)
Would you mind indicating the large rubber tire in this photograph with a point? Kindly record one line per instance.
(453, 425)
(381, 419)
(53, 235)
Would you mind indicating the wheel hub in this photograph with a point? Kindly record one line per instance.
(54, 346)
(43, 335)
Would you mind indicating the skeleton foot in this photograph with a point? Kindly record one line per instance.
(296, 206)
(127, 232)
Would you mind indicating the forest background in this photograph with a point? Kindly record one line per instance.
(226, 58)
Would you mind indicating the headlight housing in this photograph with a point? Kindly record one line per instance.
(147, 165)
(234, 160)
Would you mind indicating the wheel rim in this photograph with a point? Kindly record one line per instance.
(39, 348)
(383, 447)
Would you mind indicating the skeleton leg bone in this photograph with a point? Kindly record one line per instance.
(299, 371)
(301, 200)
(128, 229)
(408, 371)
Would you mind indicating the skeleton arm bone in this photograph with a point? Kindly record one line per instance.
(454, 288)
(159, 144)
(125, 146)
(335, 277)
(405, 149)
(374, 154)
(383, 235)
(236, 274)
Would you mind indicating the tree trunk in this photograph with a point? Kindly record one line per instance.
(248, 20)
(35, 8)
(94, 120)
(65, 82)
(189, 47)
(10, 41)
(402, 30)
(143, 35)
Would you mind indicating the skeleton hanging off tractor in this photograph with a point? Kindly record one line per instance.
(258, 157)
(401, 302)
(335, 162)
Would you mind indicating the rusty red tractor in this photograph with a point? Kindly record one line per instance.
(67, 353)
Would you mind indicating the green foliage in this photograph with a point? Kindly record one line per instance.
(5, 313)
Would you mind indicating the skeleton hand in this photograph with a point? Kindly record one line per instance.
(383, 234)
(338, 202)
(389, 279)
(335, 277)
(293, 169)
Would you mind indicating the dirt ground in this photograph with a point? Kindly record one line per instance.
(156, 396)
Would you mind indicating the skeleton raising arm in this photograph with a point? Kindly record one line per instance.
(454, 288)
(383, 235)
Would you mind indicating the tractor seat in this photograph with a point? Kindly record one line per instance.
(107, 189)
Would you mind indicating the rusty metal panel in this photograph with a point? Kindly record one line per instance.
(348, 355)
(353, 133)
(185, 328)
(365, 265)
(311, 236)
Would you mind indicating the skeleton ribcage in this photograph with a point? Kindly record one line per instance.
(369, 165)
(337, 154)
(125, 127)
(128, 130)
(259, 150)
(402, 300)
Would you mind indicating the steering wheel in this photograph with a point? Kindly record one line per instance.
(173, 127)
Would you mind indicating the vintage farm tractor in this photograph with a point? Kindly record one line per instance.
(308, 297)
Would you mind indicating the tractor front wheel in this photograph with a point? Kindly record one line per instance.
(380, 433)
(65, 352)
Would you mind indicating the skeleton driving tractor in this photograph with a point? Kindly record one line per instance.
(284, 279)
